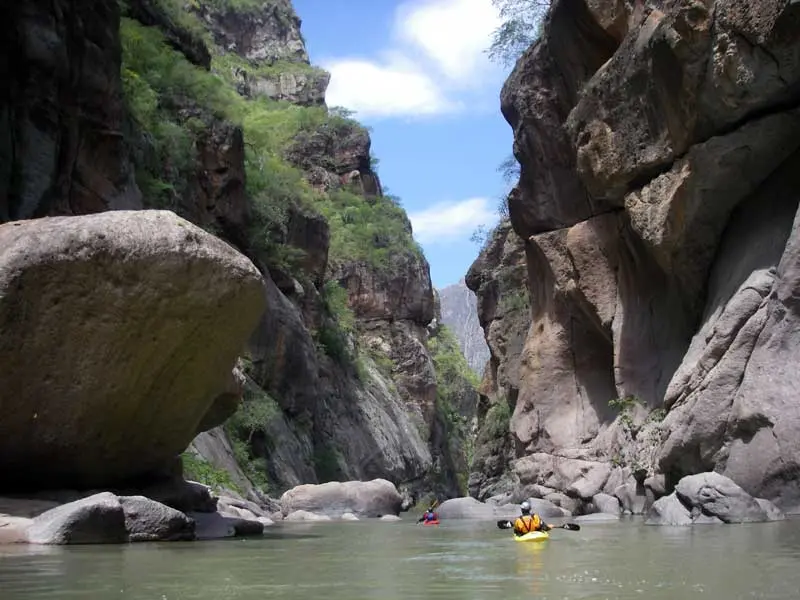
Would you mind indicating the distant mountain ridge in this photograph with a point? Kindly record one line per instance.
(459, 309)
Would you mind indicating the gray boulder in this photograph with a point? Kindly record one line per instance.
(185, 496)
(98, 519)
(304, 515)
(710, 498)
(718, 496)
(467, 508)
(209, 526)
(598, 518)
(669, 511)
(632, 498)
(362, 498)
(390, 518)
(607, 504)
(150, 521)
(122, 347)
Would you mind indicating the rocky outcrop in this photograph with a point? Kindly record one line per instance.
(658, 150)
(360, 498)
(270, 54)
(335, 402)
(166, 297)
(710, 498)
(498, 278)
(62, 149)
(459, 310)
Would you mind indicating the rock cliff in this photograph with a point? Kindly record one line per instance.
(460, 313)
(214, 113)
(658, 145)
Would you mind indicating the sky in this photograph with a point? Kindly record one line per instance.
(416, 73)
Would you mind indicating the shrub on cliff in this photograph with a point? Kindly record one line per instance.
(520, 27)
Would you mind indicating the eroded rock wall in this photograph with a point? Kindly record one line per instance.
(658, 146)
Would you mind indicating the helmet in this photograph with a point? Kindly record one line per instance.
(525, 507)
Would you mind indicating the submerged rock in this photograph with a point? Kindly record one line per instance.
(362, 498)
(119, 332)
(304, 515)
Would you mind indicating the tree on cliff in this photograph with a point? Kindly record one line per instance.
(520, 28)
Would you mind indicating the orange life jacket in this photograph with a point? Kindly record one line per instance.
(527, 523)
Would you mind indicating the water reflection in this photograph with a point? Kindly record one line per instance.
(458, 560)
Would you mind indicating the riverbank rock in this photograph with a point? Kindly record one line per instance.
(710, 498)
(150, 521)
(14, 530)
(181, 494)
(362, 498)
(465, 508)
(119, 332)
(391, 518)
(98, 519)
(304, 515)
(607, 504)
(211, 526)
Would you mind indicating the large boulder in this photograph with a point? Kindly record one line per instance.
(466, 508)
(120, 330)
(373, 498)
(710, 498)
(97, 519)
(150, 521)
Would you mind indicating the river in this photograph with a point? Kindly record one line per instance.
(401, 561)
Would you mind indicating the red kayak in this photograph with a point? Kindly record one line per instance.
(430, 522)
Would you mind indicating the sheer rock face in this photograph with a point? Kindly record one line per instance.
(62, 149)
(656, 205)
(459, 311)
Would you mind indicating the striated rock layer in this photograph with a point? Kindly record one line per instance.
(659, 146)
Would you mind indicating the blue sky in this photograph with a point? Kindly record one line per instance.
(415, 71)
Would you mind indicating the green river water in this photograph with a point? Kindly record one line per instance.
(400, 561)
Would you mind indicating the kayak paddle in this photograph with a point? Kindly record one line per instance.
(567, 526)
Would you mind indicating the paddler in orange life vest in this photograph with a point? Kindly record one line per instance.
(527, 523)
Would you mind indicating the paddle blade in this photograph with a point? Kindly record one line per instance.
(571, 526)
(504, 525)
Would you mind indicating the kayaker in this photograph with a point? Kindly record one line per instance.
(526, 522)
(428, 516)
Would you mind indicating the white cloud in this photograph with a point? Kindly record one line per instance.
(436, 55)
(388, 90)
(451, 221)
(452, 33)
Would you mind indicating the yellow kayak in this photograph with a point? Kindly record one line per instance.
(532, 536)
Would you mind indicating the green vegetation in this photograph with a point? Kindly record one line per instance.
(156, 79)
(196, 468)
(515, 300)
(252, 420)
(326, 463)
(625, 406)
(335, 335)
(454, 378)
(497, 423)
(229, 65)
(520, 27)
(370, 230)
(174, 103)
